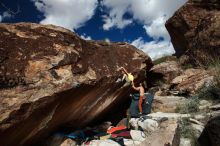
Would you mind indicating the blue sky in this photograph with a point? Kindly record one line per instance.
(138, 22)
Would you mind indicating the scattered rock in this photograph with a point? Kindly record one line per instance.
(198, 129)
(196, 121)
(137, 135)
(68, 142)
(148, 125)
(175, 116)
(131, 142)
(107, 142)
(204, 104)
(167, 133)
(185, 142)
(215, 107)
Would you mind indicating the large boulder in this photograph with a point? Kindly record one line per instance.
(211, 133)
(194, 30)
(50, 78)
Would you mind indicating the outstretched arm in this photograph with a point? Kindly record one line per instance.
(135, 88)
(124, 70)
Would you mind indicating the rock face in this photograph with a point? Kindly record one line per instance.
(172, 78)
(166, 70)
(194, 30)
(192, 80)
(210, 135)
(168, 134)
(167, 103)
(50, 78)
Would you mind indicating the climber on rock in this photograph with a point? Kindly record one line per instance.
(127, 76)
(142, 96)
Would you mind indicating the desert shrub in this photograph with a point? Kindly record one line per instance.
(187, 66)
(213, 90)
(160, 60)
(191, 106)
(187, 131)
(215, 66)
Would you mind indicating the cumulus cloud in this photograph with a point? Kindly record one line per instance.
(85, 37)
(109, 22)
(107, 40)
(157, 29)
(7, 15)
(70, 14)
(155, 49)
(152, 14)
(116, 10)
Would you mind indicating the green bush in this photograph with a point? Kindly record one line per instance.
(160, 60)
(210, 92)
(213, 90)
(187, 66)
(191, 106)
(187, 131)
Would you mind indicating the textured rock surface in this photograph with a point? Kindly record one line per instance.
(185, 142)
(211, 133)
(49, 78)
(166, 70)
(167, 103)
(167, 134)
(68, 142)
(194, 30)
(192, 79)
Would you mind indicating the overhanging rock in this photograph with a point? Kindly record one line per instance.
(49, 78)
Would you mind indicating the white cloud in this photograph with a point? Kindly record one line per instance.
(155, 49)
(107, 40)
(85, 37)
(157, 29)
(70, 14)
(6, 14)
(111, 21)
(152, 14)
(116, 11)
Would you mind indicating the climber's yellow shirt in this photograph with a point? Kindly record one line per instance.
(130, 77)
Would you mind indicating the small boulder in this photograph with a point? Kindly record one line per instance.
(137, 135)
(69, 142)
(148, 125)
(185, 142)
